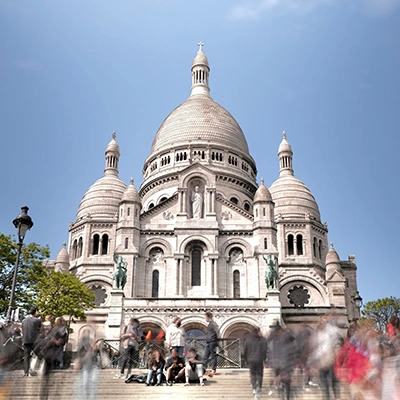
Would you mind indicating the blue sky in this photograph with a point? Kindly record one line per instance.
(325, 71)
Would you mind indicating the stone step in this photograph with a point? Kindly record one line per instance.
(227, 384)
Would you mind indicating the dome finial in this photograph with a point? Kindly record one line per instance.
(131, 180)
(200, 44)
(283, 135)
(114, 135)
(262, 181)
(64, 245)
(331, 244)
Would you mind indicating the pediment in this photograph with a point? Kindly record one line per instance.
(163, 213)
(335, 276)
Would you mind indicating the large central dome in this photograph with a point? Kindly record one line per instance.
(200, 119)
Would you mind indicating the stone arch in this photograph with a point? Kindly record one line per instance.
(144, 319)
(199, 238)
(316, 290)
(192, 176)
(236, 242)
(197, 326)
(87, 329)
(162, 197)
(153, 242)
(107, 280)
(235, 323)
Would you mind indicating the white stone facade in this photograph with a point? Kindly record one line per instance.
(195, 233)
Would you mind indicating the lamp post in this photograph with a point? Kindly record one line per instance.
(22, 223)
(357, 299)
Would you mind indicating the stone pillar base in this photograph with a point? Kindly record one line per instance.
(112, 328)
(274, 309)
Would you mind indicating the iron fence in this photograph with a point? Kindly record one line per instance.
(228, 352)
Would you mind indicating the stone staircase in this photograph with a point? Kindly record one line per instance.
(232, 384)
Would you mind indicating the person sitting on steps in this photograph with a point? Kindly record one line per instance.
(175, 367)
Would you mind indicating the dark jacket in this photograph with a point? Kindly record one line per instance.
(254, 349)
(212, 334)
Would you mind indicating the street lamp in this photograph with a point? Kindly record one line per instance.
(358, 302)
(22, 223)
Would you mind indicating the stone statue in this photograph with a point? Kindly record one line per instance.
(197, 200)
(120, 272)
(271, 275)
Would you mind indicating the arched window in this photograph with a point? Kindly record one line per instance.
(126, 243)
(246, 206)
(263, 211)
(151, 205)
(256, 212)
(234, 200)
(299, 245)
(96, 242)
(74, 249)
(129, 211)
(155, 283)
(236, 284)
(80, 247)
(196, 267)
(290, 242)
(163, 199)
(104, 244)
(265, 243)
(320, 249)
(314, 245)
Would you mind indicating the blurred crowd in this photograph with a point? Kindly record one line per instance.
(365, 360)
(324, 359)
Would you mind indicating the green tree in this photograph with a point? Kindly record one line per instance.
(381, 310)
(30, 269)
(61, 294)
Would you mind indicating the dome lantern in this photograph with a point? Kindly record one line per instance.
(285, 155)
(200, 73)
(112, 156)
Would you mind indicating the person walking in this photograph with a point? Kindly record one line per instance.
(130, 341)
(31, 327)
(175, 336)
(254, 353)
(212, 339)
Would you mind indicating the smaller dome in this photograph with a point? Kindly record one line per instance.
(131, 194)
(113, 146)
(102, 198)
(285, 145)
(332, 257)
(262, 193)
(62, 260)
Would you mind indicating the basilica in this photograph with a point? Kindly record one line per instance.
(198, 233)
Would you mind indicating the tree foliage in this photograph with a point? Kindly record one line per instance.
(381, 310)
(61, 294)
(30, 269)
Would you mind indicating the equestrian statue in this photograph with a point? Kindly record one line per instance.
(120, 272)
(271, 274)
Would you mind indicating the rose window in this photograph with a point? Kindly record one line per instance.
(299, 296)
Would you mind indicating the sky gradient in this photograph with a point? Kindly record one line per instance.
(325, 71)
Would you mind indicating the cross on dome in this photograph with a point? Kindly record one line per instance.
(200, 44)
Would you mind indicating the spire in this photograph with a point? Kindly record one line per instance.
(112, 156)
(200, 73)
(285, 155)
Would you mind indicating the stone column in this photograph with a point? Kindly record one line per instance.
(113, 324)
